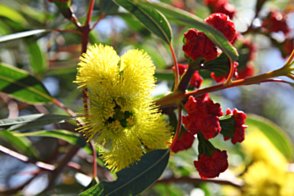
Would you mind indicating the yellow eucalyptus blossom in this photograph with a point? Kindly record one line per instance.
(267, 175)
(123, 120)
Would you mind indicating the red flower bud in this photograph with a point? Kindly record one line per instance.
(212, 166)
(202, 116)
(197, 44)
(184, 142)
(196, 79)
(275, 22)
(239, 133)
(222, 23)
(246, 72)
(221, 6)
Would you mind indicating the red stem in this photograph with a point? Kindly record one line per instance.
(89, 14)
(101, 16)
(179, 125)
(177, 74)
(231, 73)
(67, 30)
(92, 146)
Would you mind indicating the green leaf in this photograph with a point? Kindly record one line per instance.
(31, 121)
(13, 15)
(152, 19)
(108, 6)
(21, 35)
(21, 144)
(22, 86)
(136, 178)
(161, 74)
(186, 18)
(70, 137)
(273, 132)
(36, 57)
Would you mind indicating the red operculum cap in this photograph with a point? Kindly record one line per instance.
(197, 44)
(247, 71)
(222, 23)
(239, 118)
(196, 79)
(287, 47)
(275, 22)
(220, 79)
(212, 166)
(203, 115)
(221, 6)
(184, 142)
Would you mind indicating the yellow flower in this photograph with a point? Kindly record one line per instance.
(267, 175)
(258, 147)
(123, 120)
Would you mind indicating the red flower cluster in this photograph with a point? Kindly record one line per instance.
(287, 47)
(197, 44)
(222, 23)
(239, 118)
(184, 142)
(196, 79)
(212, 166)
(221, 6)
(247, 71)
(220, 79)
(203, 116)
(275, 22)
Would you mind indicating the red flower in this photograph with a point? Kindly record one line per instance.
(202, 116)
(246, 72)
(222, 23)
(212, 166)
(220, 79)
(197, 44)
(196, 79)
(275, 22)
(287, 47)
(184, 142)
(221, 6)
(239, 118)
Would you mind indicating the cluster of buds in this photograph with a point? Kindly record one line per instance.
(221, 6)
(205, 119)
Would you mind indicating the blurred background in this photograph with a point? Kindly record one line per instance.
(52, 57)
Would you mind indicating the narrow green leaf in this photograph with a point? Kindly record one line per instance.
(70, 137)
(183, 17)
(13, 15)
(161, 74)
(37, 57)
(31, 121)
(136, 178)
(274, 133)
(22, 86)
(21, 144)
(108, 6)
(152, 19)
(22, 34)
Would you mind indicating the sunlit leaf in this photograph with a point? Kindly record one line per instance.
(13, 15)
(152, 19)
(274, 133)
(31, 121)
(70, 137)
(22, 86)
(22, 34)
(21, 144)
(136, 178)
(36, 57)
(108, 6)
